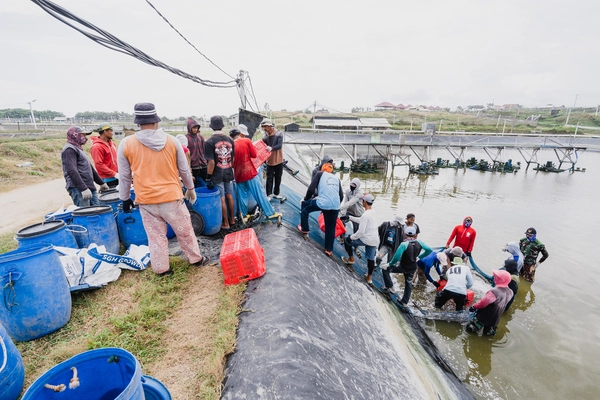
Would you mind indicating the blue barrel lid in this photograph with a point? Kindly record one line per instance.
(92, 210)
(110, 197)
(154, 389)
(40, 229)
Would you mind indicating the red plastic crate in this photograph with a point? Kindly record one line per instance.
(242, 258)
(261, 153)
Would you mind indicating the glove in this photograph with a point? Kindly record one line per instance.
(384, 266)
(209, 184)
(468, 253)
(472, 309)
(103, 187)
(127, 204)
(116, 176)
(190, 195)
(86, 194)
(437, 285)
(345, 218)
(269, 149)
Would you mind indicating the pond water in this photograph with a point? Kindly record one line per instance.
(547, 344)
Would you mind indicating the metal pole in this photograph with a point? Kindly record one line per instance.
(569, 114)
(32, 116)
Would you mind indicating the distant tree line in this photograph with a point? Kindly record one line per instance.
(102, 116)
(24, 113)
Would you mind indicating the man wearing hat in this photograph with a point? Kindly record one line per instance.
(390, 236)
(218, 150)
(404, 262)
(492, 305)
(274, 141)
(154, 161)
(246, 177)
(366, 235)
(79, 173)
(459, 280)
(531, 247)
(104, 154)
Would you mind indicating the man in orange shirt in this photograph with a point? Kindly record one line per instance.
(104, 154)
(156, 161)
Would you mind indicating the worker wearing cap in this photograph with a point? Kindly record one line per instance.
(404, 262)
(531, 247)
(104, 154)
(246, 177)
(366, 235)
(79, 173)
(274, 141)
(463, 236)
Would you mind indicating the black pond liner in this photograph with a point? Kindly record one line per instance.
(310, 328)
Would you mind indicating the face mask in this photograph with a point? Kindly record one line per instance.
(352, 187)
(467, 224)
(531, 238)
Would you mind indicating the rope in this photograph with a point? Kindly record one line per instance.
(184, 38)
(113, 43)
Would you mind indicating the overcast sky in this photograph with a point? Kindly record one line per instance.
(342, 54)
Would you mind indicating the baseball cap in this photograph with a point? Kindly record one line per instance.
(266, 122)
(368, 197)
(410, 231)
(78, 129)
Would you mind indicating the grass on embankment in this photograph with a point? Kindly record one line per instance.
(143, 314)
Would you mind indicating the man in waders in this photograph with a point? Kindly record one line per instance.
(531, 247)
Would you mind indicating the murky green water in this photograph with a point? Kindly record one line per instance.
(547, 345)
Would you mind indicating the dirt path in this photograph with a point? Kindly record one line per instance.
(28, 205)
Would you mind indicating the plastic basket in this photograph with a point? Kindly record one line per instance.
(261, 153)
(242, 258)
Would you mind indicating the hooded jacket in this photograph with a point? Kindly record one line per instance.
(196, 146)
(154, 161)
(495, 301)
(463, 237)
(326, 159)
(515, 251)
(105, 157)
(353, 201)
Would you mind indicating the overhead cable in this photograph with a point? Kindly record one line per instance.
(111, 42)
(184, 38)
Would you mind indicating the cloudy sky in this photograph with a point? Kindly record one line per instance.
(342, 54)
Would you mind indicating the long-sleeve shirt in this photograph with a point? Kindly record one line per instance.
(77, 169)
(367, 229)
(431, 261)
(154, 161)
(425, 251)
(104, 155)
(463, 238)
(275, 141)
(327, 184)
(459, 279)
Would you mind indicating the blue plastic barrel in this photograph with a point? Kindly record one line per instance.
(208, 204)
(101, 226)
(66, 216)
(37, 300)
(12, 371)
(131, 229)
(102, 374)
(46, 233)
(110, 199)
(154, 389)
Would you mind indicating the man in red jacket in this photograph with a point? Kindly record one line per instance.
(104, 154)
(463, 236)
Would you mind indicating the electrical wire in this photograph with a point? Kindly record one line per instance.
(184, 38)
(111, 42)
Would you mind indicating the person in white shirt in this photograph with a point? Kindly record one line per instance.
(367, 235)
(459, 280)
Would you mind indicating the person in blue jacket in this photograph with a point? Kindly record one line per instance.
(328, 202)
(433, 260)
